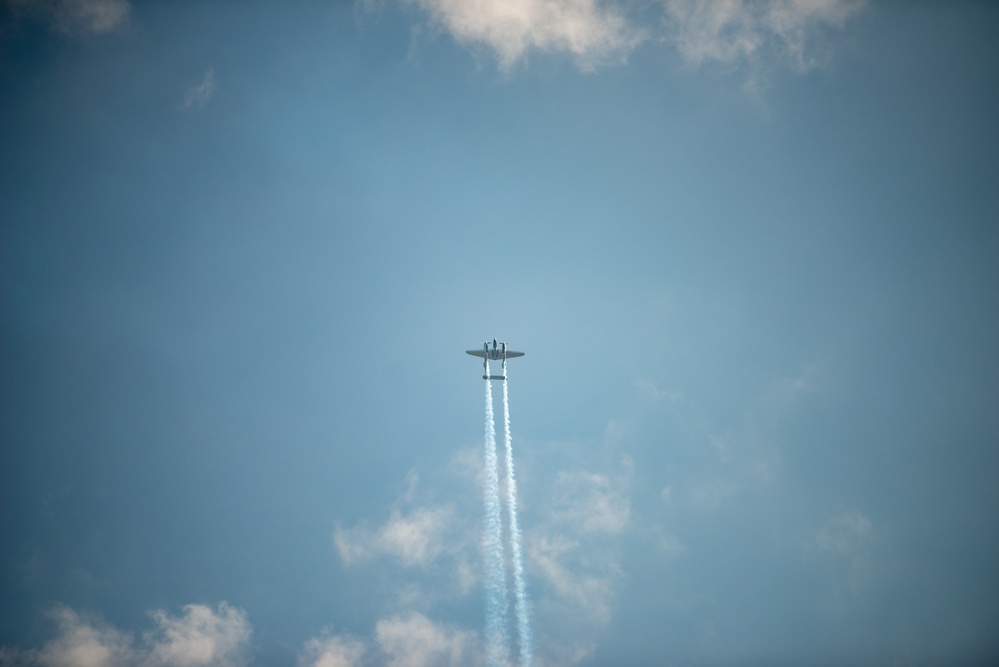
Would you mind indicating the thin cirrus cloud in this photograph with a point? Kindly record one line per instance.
(846, 542)
(596, 33)
(197, 96)
(732, 31)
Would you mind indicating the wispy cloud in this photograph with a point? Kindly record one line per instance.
(416, 641)
(592, 502)
(740, 33)
(574, 553)
(425, 552)
(200, 636)
(78, 16)
(573, 561)
(592, 32)
(746, 31)
(415, 539)
(406, 640)
(197, 96)
(330, 650)
(84, 641)
(846, 543)
(847, 534)
(711, 493)
(576, 578)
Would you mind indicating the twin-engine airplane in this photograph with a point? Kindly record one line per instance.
(497, 353)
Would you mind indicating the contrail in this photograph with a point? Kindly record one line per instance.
(492, 542)
(520, 586)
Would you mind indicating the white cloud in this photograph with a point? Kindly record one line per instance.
(416, 641)
(848, 533)
(666, 494)
(86, 16)
(409, 640)
(597, 32)
(415, 539)
(730, 31)
(846, 541)
(97, 16)
(670, 545)
(582, 581)
(791, 21)
(721, 30)
(201, 636)
(467, 577)
(352, 544)
(332, 651)
(711, 493)
(197, 96)
(650, 391)
(85, 642)
(593, 502)
(575, 554)
(572, 547)
(592, 32)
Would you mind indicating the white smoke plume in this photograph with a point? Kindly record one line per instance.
(516, 553)
(492, 544)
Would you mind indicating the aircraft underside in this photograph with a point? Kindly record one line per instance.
(498, 352)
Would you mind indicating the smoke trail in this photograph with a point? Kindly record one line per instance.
(520, 586)
(492, 542)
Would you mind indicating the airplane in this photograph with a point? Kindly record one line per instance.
(497, 353)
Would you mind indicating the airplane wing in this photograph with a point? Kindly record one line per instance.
(494, 355)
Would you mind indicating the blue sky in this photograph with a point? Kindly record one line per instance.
(749, 248)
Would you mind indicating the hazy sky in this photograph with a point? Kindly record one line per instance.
(750, 249)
